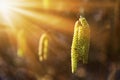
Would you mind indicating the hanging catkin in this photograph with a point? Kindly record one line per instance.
(43, 47)
(80, 43)
(21, 43)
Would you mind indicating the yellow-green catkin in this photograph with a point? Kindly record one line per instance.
(21, 42)
(43, 47)
(80, 43)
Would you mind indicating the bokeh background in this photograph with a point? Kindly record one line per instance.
(22, 23)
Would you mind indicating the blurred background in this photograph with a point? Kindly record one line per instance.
(23, 22)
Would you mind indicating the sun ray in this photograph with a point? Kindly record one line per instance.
(6, 10)
(19, 10)
(44, 18)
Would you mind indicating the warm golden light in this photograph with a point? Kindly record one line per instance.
(4, 6)
(21, 13)
(5, 11)
(8, 14)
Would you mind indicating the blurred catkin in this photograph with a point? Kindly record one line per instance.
(21, 43)
(43, 47)
(80, 43)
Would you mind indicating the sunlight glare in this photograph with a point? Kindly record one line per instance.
(4, 6)
(5, 11)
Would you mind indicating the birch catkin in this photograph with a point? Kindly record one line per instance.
(43, 47)
(80, 43)
(21, 43)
